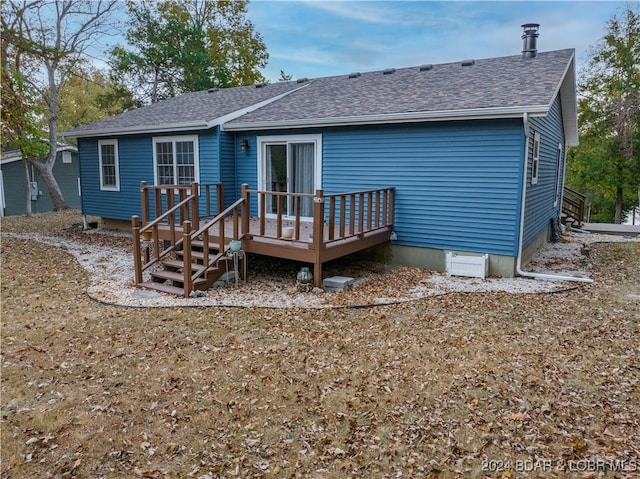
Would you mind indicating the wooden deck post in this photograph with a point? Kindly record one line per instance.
(219, 198)
(195, 205)
(144, 201)
(318, 236)
(137, 262)
(186, 258)
(245, 209)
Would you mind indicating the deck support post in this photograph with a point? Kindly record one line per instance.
(186, 258)
(137, 262)
(318, 236)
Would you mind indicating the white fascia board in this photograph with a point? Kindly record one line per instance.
(134, 130)
(408, 117)
(238, 113)
(5, 161)
(569, 104)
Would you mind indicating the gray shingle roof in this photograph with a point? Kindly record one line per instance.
(499, 86)
(191, 109)
(490, 83)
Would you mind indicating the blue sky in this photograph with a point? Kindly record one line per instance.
(313, 38)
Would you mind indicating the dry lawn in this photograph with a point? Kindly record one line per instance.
(461, 385)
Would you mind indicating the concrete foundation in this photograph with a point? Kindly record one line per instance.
(435, 260)
(113, 224)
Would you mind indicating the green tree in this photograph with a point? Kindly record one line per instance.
(179, 46)
(89, 95)
(606, 165)
(44, 41)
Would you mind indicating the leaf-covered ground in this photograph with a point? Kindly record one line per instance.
(461, 385)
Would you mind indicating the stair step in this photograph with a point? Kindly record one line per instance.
(197, 255)
(179, 264)
(164, 275)
(163, 288)
(200, 244)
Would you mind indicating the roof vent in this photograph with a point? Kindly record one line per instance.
(530, 40)
(426, 67)
(388, 71)
(261, 85)
(212, 90)
(354, 74)
(302, 80)
(468, 63)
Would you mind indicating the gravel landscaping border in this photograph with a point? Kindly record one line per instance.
(106, 257)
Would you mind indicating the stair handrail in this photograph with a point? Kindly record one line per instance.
(137, 230)
(192, 276)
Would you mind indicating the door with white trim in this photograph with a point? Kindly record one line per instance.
(291, 165)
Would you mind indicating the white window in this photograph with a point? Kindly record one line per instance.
(291, 164)
(66, 157)
(175, 160)
(109, 167)
(558, 184)
(535, 164)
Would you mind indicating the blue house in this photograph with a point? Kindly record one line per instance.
(474, 151)
(13, 183)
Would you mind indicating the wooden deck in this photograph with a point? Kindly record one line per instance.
(612, 229)
(341, 224)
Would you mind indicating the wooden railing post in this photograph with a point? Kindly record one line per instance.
(195, 204)
(245, 209)
(186, 258)
(144, 202)
(318, 235)
(137, 261)
(219, 198)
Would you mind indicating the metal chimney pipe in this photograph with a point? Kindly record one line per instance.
(530, 40)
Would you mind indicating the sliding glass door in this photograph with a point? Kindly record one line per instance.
(291, 165)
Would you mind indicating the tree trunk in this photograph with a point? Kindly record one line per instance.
(618, 215)
(45, 166)
(46, 173)
(27, 179)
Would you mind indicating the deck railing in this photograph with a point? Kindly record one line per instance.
(340, 224)
(335, 217)
(573, 204)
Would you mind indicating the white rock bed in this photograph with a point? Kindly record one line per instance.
(110, 272)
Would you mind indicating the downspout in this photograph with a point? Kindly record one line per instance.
(530, 274)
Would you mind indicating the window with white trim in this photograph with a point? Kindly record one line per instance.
(535, 163)
(558, 184)
(109, 166)
(175, 160)
(66, 157)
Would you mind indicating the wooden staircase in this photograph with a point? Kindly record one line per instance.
(573, 207)
(169, 276)
(171, 257)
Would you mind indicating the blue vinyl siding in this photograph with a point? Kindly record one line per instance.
(135, 165)
(539, 207)
(457, 183)
(228, 166)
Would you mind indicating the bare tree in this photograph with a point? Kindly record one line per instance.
(46, 39)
